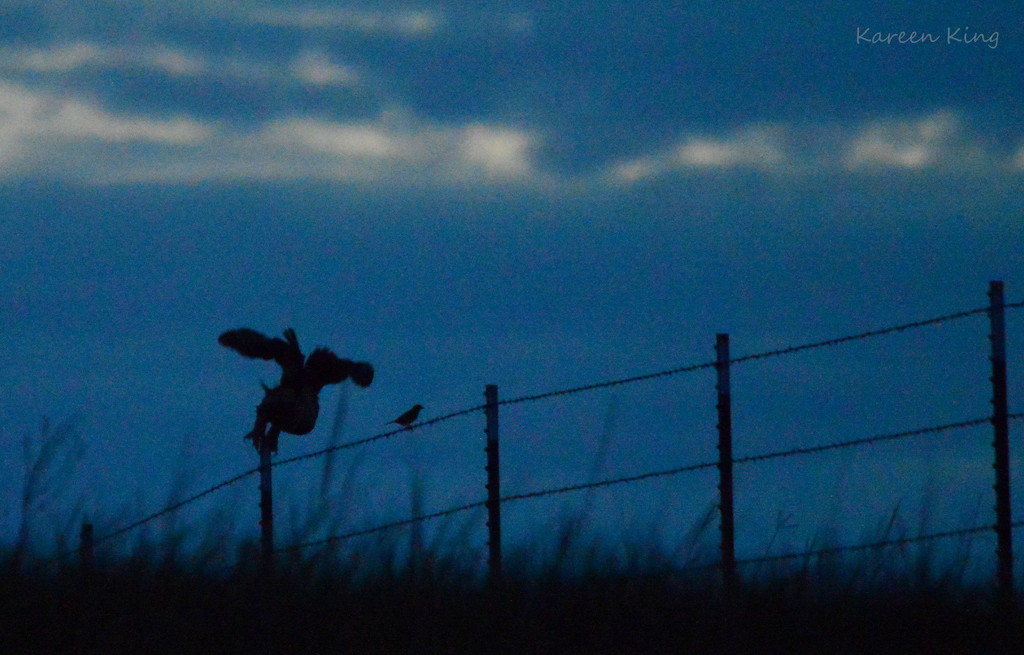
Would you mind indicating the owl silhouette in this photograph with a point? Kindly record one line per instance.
(293, 405)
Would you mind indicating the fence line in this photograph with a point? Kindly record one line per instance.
(867, 335)
(752, 560)
(571, 488)
(588, 387)
(834, 550)
(867, 440)
(383, 527)
(178, 505)
(155, 515)
(253, 471)
(377, 437)
(653, 474)
(762, 355)
(649, 376)
(875, 544)
(751, 458)
(608, 483)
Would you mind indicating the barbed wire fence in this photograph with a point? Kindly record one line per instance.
(609, 482)
(999, 418)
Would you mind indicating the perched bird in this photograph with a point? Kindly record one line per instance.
(293, 405)
(409, 417)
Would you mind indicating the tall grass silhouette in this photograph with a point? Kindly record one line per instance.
(406, 591)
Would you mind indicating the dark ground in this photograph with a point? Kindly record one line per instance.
(126, 611)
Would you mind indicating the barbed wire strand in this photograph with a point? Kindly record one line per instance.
(377, 437)
(763, 355)
(290, 460)
(608, 483)
(514, 497)
(754, 458)
(152, 517)
(875, 544)
(868, 440)
(241, 476)
(872, 333)
(754, 560)
(383, 527)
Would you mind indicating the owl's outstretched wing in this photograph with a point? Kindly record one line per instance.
(252, 344)
(324, 367)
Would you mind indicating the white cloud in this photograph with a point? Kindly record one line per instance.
(341, 140)
(405, 23)
(72, 138)
(420, 150)
(18, 108)
(496, 151)
(936, 141)
(391, 23)
(317, 69)
(393, 150)
(308, 67)
(636, 170)
(57, 59)
(83, 55)
(757, 147)
(174, 62)
(911, 144)
(78, 120)
(68, 136)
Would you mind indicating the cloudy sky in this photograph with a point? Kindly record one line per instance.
(539, 196)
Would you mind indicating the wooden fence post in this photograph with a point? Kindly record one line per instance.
(1001, 444)
(730, 578)
(493, 485)
(267, 443)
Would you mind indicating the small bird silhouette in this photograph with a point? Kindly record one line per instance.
(409, 417)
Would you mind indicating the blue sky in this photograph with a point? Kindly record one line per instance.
(545, 195)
